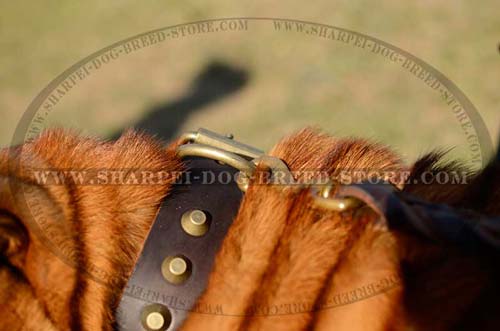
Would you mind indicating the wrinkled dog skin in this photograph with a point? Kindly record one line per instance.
(285, 264)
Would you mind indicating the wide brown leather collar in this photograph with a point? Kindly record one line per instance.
(179, 251)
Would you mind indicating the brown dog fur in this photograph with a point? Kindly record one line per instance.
(284, 264)
(117, 217)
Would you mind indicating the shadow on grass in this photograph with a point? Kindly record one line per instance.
(216, 81)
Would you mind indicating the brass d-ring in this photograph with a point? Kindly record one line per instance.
(322, 198)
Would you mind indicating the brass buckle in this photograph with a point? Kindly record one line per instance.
(226, 143)
(225, 149)
(214, 153)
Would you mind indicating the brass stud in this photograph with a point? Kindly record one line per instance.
(156, 317)
(176, 269)
(155, 320)
(195, 222)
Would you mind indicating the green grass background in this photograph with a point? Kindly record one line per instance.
(295, 81)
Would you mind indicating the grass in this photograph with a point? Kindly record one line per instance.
(295, 80)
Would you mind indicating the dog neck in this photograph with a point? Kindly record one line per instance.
(61, 261)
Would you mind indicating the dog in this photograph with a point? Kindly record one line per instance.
(284, 264)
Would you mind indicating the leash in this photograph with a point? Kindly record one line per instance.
(174, 265)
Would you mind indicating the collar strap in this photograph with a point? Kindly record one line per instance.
(177, 257)
(178, 254)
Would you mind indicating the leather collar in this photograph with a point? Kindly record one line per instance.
(174, 265)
